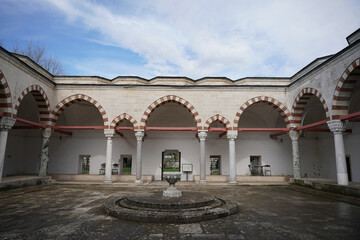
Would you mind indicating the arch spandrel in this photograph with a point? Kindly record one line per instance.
(343, 90)
(170, 98)
(217, 117)
(281, 108)
(62, 105)
(121, 117)
(41, 100)
(5, 97)
(301, 100)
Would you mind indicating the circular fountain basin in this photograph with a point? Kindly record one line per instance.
(154, 207)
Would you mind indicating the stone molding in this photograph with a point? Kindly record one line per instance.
(232, 135)
(7, 122)
(139, 135)
(336, 126)
(109, 133)
(294, 135)
(202, 135)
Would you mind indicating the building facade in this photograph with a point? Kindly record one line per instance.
(306, 125)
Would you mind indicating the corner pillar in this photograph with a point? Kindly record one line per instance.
(294, 135)
(44, 157)
(202, 137)
(6, 123)
(139, 139)
(337, 127)
(232, 135)
(109, 134)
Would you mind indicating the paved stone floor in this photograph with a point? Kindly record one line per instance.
(266, 212)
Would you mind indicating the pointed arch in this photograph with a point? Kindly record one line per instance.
(344, 88)
(5, 97)
(215, 118)
(41, 100)
(170, 98)
(301, 100)
(122, 117)
(62, 105)
(284, 112)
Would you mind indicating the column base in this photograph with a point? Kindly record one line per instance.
(342, 179)
(202, 182)
(107, 181)
(233, 182)
(138, 181)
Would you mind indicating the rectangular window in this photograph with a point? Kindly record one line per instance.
(215, 163)
(126, 163)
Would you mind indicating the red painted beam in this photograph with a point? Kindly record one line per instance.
(217, 129)
(124, 128)
(171, 128)
(312, 125)
(262, 129)
(80, 127)
(222, 134)
(34, 125)
(354, 120)
(349, 116)
(316, 130)
(63, 132)
(119, 133)
(25, 127)
(274, 135)
(30, 122)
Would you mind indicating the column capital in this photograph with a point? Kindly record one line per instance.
(7, 122)
(46, 132)
(202, 135)
(139, 135)
(109, 133)
(336, 126)
(232, 134)
(294, 135)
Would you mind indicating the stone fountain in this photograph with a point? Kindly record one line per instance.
(170, 205)
(172, 191)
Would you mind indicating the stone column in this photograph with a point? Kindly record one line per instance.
(44, 157)
(337, 127)
(232, 135)
(6, 123)
(139, 137)
(109, 134)
(202, 136)
(294, 135)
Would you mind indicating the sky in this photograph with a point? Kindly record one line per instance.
(190, 38)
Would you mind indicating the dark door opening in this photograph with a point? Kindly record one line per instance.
(348, 167)
(171, 162)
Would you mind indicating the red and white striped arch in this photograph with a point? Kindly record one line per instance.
(5, 97)
(41, 100)
(301, 100)
(284, 112)
(170, 98)
(344, 89)
(215, 118)
(122, 117)
(60, 108)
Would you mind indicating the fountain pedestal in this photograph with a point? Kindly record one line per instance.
(172, 191)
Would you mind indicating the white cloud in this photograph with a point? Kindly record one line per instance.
(214, 38)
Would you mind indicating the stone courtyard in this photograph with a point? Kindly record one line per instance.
(74, 211)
